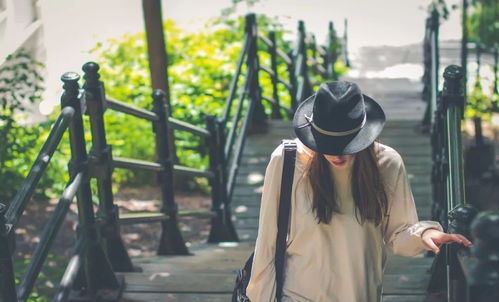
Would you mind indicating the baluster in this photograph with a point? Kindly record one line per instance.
(496, 57)
(453, 100)
(427, 77)
(345, 46)
(97, 279)
(276, 109)
(313, 48)
(100, 158)
(259, 118)
(171, 241)
(224, 180)
(7, 278)
(292, 82)
(332, 54)
(221, 223)
(464, 46)
(304, 88)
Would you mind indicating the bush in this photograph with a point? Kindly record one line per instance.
(20, 85)
(201, 66)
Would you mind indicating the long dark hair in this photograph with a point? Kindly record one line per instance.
(368, 191)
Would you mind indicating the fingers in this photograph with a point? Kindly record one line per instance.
(431, 245)
(458, 238)
(464, 240)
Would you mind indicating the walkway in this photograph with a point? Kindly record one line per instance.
(209, 276)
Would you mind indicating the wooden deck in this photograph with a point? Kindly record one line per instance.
(209, 274)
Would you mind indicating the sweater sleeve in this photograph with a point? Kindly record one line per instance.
(402, 229)
(262, 285)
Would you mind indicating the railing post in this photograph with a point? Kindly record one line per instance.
(453, 100)
(460, 219)
(464, 46)
(99, 280)
(259, 119)
(484, 275)
(435, 63)
(304, 88)
(171, 241)
(221, 224)
(292, 81)
(427, 77)
(345, 46)
(332, 53)
(7, 278)
(313, 48)
(440, 167)
(222, 162)
(100, 159)
(276, 109)
(496, 58)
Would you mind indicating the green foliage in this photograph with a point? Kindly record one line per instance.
(201, 66)
(483, 23)
(483, 27)
(46, 283)
(478, 104)
(20, 85)
(482, 101)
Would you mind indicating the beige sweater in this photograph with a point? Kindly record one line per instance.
(342, 261)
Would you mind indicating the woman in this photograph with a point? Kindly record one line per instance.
(351, 203)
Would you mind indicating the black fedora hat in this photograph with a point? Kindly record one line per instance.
(338, 119)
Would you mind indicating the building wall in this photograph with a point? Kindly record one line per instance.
(21, 28)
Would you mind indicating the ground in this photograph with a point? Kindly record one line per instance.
(141, 239)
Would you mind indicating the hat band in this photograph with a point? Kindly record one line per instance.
(334, 133)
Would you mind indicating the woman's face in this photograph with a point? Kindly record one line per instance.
(341, 161)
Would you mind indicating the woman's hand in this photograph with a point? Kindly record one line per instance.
(433, 239)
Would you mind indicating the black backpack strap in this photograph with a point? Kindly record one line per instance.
(288, 171)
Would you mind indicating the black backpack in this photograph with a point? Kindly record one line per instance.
(243, 276)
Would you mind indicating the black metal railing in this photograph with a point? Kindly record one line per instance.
(91, 265)
(99, 250)
(431, 65)
(458, 273)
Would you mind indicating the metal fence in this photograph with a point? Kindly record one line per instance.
(459, 273)
(100, 250)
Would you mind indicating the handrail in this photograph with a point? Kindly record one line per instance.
(287, 59)
(130, 163)
(29, 184)
(267, 70)
(100, 251)
(186, 171)
(131, 109)
(183, 126)
(466, 272)
(280, 53)
(266, 40)
(232, 131)
(71, 272)
(235, 78)
(48, 236)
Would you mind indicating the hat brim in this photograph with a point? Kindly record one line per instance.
(339, 145)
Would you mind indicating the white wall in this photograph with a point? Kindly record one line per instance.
(20, 27)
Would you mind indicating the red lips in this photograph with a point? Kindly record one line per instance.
(338, 163)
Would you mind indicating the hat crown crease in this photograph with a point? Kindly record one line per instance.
(338, 107)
